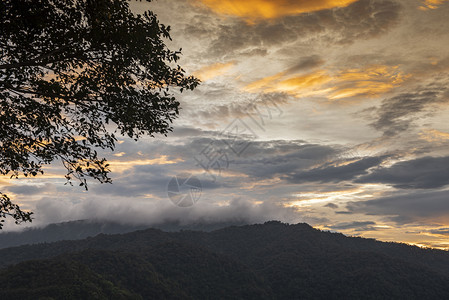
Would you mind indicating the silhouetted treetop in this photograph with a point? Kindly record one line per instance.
(73, 74)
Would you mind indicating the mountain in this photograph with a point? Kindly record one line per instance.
(81, 229)
(263, 261)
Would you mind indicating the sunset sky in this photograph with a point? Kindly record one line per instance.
(330, 112)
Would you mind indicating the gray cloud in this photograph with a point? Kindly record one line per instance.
(396, 114)
(27, 189)
(238, 105)
(357, 225)
(440, 231)
(331, 205)
(264, 160)
(261, 160)
(150, 211)
(406, 208)
(342, 212)
(421, 173)
(306, 63)
(190, 148)
(186, 131)
(360, 20)
(336, 173)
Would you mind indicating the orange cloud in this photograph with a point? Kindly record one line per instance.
(304, 85)
(305, 81)
(431, 4)
(265, 84)
(209, 72)
(370, 81)
(253, 10)
(433, 135)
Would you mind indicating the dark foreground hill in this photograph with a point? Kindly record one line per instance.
(266, 261)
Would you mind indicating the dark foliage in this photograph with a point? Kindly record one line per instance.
(57, 279)
(73, 74)
(9, 209)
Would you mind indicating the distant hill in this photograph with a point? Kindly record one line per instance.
(81, 229)
(264, 261)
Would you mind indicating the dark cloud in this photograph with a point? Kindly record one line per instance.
(186, 131)
(331, 205)
(440, 231)
(360, 20)
(288, 151)
(141, 180)
(343, 212)
(358, 226)
(406, 208)
(265, 160)
(259, 160)
(27, 189)
(337, 173)
(421, 173)
(305, 63)
(396, 114)
(195, 150)
(364, 19)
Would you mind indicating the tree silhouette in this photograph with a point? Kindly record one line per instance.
(73, 74)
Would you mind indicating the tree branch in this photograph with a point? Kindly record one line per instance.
(38, 61)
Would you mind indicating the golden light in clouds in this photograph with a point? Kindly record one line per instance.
(433, 135)
(120, 166)
(369, 81)
(215, 70)
(265, 84)
(311, 198)
(114, 166)
(431, 4)
(120, 154)
(253, 10)
(310, 84)
(304, 82)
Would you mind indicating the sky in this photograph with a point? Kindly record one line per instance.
(329, 112)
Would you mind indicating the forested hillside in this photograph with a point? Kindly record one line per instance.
(81, 229)
(266, 261)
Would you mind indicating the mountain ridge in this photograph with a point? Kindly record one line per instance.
(81, 229)
(273, 260)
